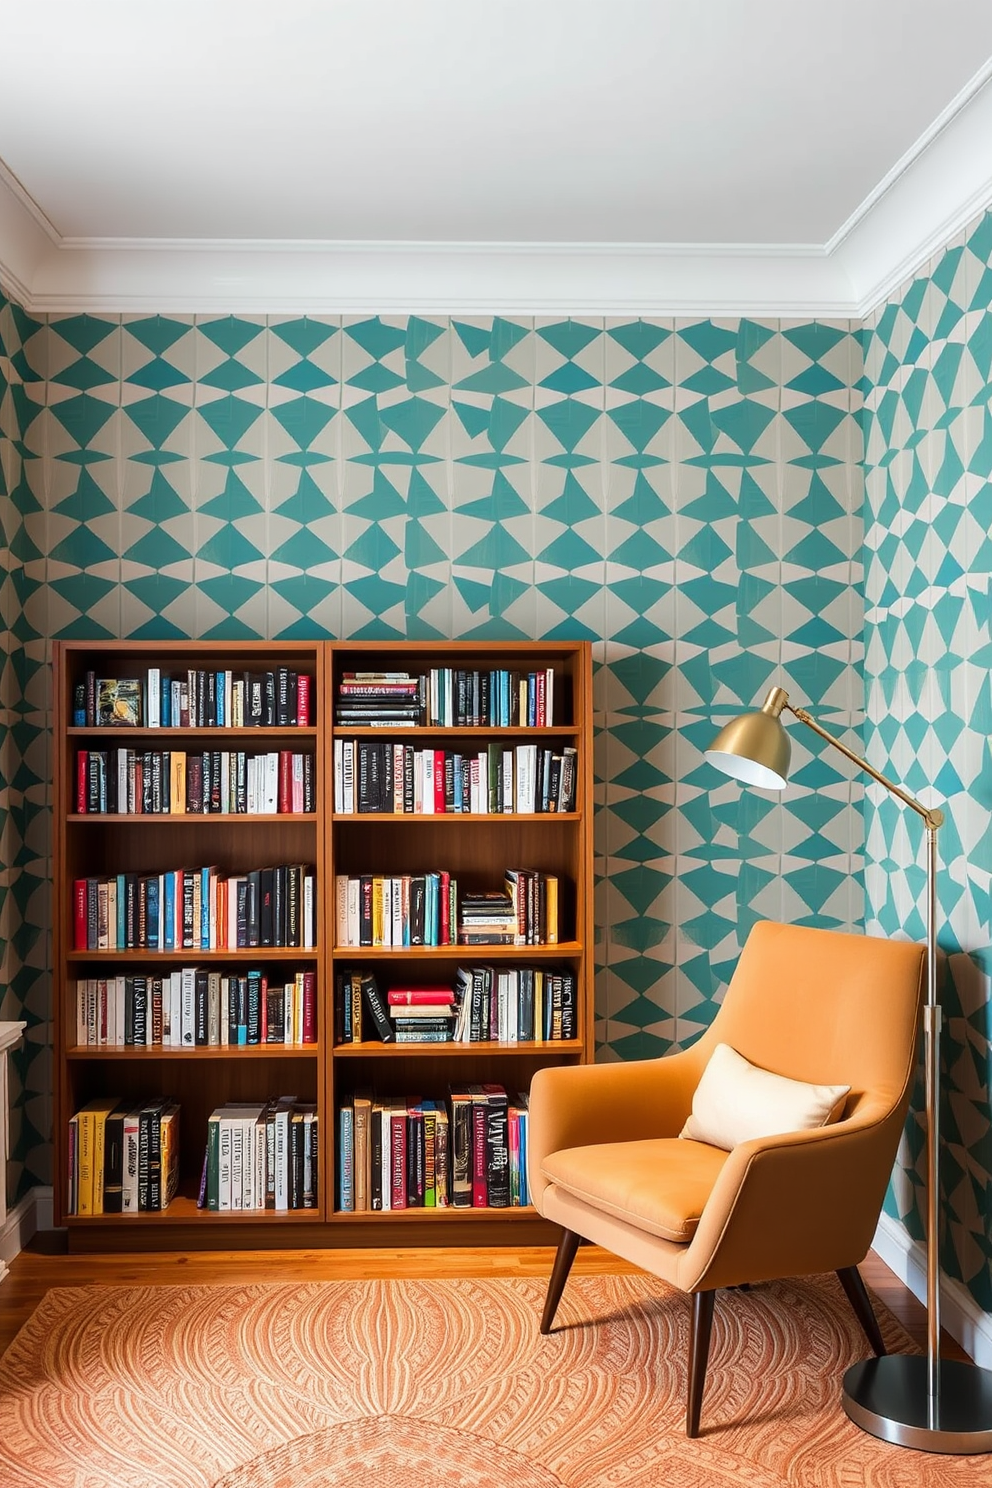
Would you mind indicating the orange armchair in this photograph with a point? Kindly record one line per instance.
(606, 1162)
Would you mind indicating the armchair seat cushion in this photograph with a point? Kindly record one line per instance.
(659, 1185)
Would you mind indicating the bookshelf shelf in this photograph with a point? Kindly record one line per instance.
(106, 1052)
(323, 1076)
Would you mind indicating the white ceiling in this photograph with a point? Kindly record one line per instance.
(135, 135)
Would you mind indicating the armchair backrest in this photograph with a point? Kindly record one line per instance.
(827, 1007)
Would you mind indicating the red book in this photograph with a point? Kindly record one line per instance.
(82, 766)
(445, 907)
(263, 1009)
(309, 1007)
(285, 780)
(439, 781)
(417, 996)
(397, 1165)
(541, 715)
(480, 1186)
(79, 917)
(303, 717)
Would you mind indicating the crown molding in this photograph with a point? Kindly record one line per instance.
(927, 197)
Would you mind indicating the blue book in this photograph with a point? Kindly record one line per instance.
(169, 912)
(121, 912)
(152, 914)
(346, 1159)
(165, 702)
(204, 909)
(221, 720)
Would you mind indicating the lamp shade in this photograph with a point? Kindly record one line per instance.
(755, 748)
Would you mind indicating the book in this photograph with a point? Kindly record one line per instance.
(118, 702)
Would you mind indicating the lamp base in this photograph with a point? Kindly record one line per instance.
(889, 1398)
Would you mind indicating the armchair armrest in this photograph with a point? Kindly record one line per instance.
(579, 1105)
(793, 1204)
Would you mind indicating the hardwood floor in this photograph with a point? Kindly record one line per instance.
(33, 1272)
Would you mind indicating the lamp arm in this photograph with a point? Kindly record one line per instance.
(931, 815)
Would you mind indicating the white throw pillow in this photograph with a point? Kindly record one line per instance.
(736, 1101)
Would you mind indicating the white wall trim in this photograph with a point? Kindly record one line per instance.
(943, 181)
(960, 1314)
(32, 1213)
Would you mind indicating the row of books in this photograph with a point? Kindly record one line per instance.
(174, 782)
(196, 909)
(123, 1157)
(261, 1155)
(196, 698)
(416, 909)
(196, 1007)
(513, 1004)
(468, 1151)
(446, 697)
(375, 777)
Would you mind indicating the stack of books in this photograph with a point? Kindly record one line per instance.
(422, 1015)
(488, 918)
(380, 699)
(261, 1155)
(123, 1158)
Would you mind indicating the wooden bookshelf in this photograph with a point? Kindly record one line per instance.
(476, 847)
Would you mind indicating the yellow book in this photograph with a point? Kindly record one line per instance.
(90, 1128)
(377, 923)
(169, 1140)
(177, 782)
(551, 901)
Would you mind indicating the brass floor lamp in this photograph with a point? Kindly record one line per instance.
(933, 1404)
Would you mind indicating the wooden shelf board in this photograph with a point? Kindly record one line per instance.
(131, 1052)
(523, 1048)
(490, 818)
(490, 732)
(447, 1213)
(458, 952)
(274, 731)
(145, 818)
(243, 953)
(183, 1210)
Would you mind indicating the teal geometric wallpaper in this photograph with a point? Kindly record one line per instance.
(686, 493)
(24, 817)
(928, 613)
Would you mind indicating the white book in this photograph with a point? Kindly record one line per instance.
(225, 780)
(122, 791)
(338, 774)
(427, 782)
(131, 1140)
(176, 1008)
(387, 911)
(152, 718)
(283, 1112)
(187, 1016)
(397, 903)
(354, 913)
(309, 924)
(507, 780)
(348, 777)
(227, 698)
(224, 1164)
(270, 794)
(296, 789)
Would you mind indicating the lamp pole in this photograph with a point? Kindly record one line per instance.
(928, 1403)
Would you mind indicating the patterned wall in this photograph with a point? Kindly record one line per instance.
(686, 494)
(24, 825)
(928, 595)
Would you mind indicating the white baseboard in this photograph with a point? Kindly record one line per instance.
(960, 1314)
(30, 1214)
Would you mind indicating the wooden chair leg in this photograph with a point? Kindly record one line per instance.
(857, 1295)
(699, 1348)
(567, 1246)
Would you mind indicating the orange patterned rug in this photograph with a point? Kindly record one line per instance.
(411, 1384)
